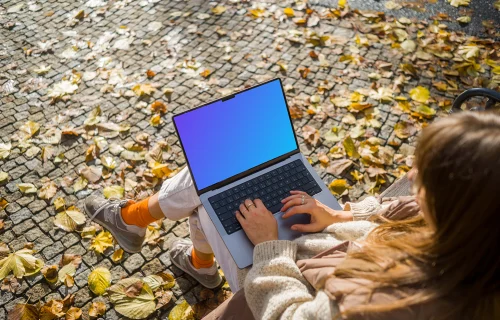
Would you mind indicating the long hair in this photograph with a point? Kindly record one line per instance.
(452, 254)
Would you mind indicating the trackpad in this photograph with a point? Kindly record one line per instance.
(284, 225)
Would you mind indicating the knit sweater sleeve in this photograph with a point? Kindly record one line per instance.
(276, 289)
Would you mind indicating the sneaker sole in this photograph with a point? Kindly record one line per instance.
(121, 243)
(194, 277)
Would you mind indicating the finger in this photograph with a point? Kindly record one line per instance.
(304, 227)
(291, 203)
(240, 218)
(243, 210)
(259, 204)
(249, 204)
(291, 197)
(295, 210)
(299, 192)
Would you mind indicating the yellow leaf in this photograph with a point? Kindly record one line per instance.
(80, 184)
(159, 107)
(4, 177)
(29, 129)
(423, 111)
(137, 306)
(27, 188)
(339, 186)
(289, 12)
(155, 120)
(219, 10)
(97, 308)
(50, 273)
(357, 175)
(342, 4)
(68, 269)
(182, 311)
(109, 162)
(24, 311)
(350, 148)
(464, 19)
(59, 203)
(115, 192)
(20, 263)
(205, 73)
(457, 3)
(420, 94)
(102, 241)
(404, 130)
(161, 171)
(143, 89)
(256, 13)
(69, 219)
(117, 255)
(5, 150)
(99, 280)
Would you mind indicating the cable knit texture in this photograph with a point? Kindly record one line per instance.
(275, 287)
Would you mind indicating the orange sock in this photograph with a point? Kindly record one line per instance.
(200, 263)
(137, 214)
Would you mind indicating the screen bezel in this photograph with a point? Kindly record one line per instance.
(251, 170)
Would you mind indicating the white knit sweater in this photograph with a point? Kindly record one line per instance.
(275, 287)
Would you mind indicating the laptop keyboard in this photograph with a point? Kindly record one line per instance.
(271, 188)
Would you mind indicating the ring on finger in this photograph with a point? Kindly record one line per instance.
(249, 205)
(303, 200)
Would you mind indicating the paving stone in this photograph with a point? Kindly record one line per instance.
(38, 291)
(21, 215)
(133, 263)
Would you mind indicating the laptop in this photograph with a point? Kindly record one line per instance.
(244, 146)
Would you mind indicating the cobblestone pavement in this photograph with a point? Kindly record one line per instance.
(108, 48)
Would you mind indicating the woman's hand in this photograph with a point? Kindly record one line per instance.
(321, 216)
(258, 223)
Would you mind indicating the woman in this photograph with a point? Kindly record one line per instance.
(441, 264)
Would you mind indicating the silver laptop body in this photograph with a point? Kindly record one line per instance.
(237, 242)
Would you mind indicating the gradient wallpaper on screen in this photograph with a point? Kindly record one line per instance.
(227, 138)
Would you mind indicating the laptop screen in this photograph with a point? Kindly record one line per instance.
(225, 138)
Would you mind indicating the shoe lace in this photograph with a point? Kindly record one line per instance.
(107, 213)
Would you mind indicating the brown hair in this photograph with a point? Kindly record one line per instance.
(453, 254)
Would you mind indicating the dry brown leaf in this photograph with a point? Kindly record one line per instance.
(10, 284)
(24, 311)
(48, 190)
(158, 107)
(404, 130)
(52, 310)
(73, 313)
(97, 309)
(311, 135)
(304, 72)
(205, 73)
(68, 258)
(150, 74)
(337, 167)
(163, 298)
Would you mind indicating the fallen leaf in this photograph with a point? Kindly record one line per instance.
(350, 148)
(48, 190)
(67, 270)
(423, 111)
(155, 120)
(289, 12)
(114, 192)
(92, 173)
(137, 307)
(109, 162)
(99, 280)
(29, 129)
(404, 129)
(150, 74)
(27, 188)
(97, 309)
(4, 177)
(62, 88)
(158, 107)
(143, 89)
(80, 184)
(117, 255)
(5, 150)
(339, 186)
(205, 73)
(181, 311)
(68, 258)
(218, 10)
(73, 313)
(52, 310)
(464, 19)
(337, 167)
(3, 203)
(420, 94)
(311, 135)
(20, 263)
(50, 273)
(163, 298)
(42, 69)
(304, 72)
(10, 284)
(102, 241)
(458, 3)
(24, 311)
(69, 220)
